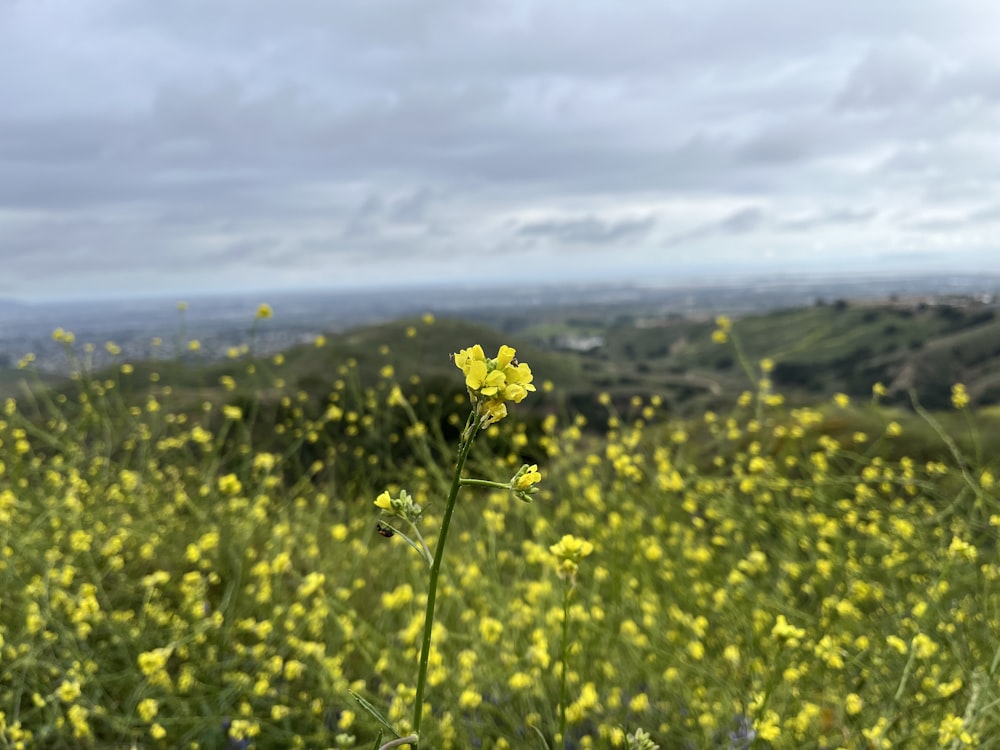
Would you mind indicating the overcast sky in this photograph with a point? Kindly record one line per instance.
(185, 146)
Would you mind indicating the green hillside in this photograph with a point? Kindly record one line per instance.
(191, 555)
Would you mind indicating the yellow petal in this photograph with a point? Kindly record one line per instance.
(505, 356)
(475, 374)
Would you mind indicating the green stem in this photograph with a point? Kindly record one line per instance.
(471, 428)
(565, 665)
(485, 483)
(397, 742)
(905, 678)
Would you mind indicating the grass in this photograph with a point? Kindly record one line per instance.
(186, 562)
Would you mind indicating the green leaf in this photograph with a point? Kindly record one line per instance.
(375, 713)
(378, 741)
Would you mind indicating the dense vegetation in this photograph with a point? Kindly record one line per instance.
(189, 556)
(842, 346)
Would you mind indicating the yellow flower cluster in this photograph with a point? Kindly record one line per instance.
(493, 382)
(568, 552)
(723, 327)
(522, 484)
(403, 506)
(125, 537)
(959, 396)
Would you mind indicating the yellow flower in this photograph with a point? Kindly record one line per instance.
(959, 549)
(230, 485)
(151, 662)
(69, 691)
(896, 643)
(490, 629)
(492, 382)
(465, 358)
(923, 646)
(279, 712)
(769, 727)
(959, 396)
(853, 704)
(527, 478)
(63, 336)
(987, 480)
(264, 312)
(469, 699)
(479, 378)
(571, 548)
(398, 597)
(639, 703)
(948, 689)
(786, 632)
(403, 506)
(522, 483)
(148, 708)
(952, 728)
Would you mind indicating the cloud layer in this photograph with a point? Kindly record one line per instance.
(150, 146)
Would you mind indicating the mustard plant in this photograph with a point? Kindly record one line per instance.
(567, 552)
(491, 384)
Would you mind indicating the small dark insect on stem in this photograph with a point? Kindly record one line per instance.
(384, 530)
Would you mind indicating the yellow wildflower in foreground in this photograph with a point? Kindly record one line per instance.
(402, 506)
(493, 382)
(522, 484)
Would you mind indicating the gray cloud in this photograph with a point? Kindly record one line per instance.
(586, 230)
(843, 217)
(146, 143)
(890, 75)
(743, 221)
(967, 220)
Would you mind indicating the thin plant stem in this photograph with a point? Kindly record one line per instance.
(423, 544)
(399, 741)
(563, 656)
(471, 429)
(485, 483)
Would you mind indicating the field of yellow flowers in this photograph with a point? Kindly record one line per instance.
(169, 578)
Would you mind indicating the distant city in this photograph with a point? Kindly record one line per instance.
(152, 328)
